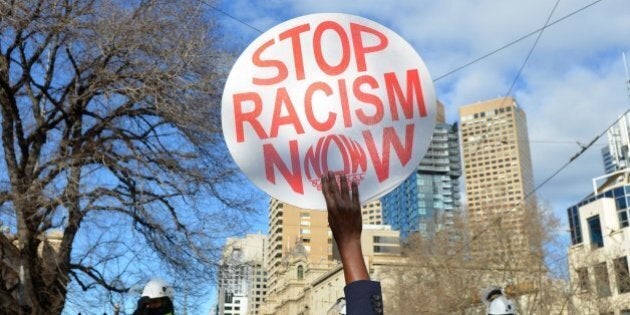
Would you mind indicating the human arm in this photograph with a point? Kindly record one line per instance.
(344, 218)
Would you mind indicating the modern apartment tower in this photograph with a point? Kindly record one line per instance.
(428, 198)
(616, 155)
(498, 174)
(242, 277)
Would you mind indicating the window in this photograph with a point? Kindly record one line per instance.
(601, 280)
(386, 249)
(582, 274)
(595, 230)
(300, 273)
(621, 203)
(228, 297)
(622, 276)
(305, 231)
(386, 239)
(623, 218)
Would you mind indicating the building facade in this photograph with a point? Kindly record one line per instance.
(428, 198)
(372, 212)
(306, 287)
(289, 225)
(616, 154)
(598, 256)
(498, 175)
(242, 276)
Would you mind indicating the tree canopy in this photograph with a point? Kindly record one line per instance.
(113, 167)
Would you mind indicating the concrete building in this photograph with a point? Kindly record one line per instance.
(289, 225)
(242, 276)
(616, 155)
(47, 249)
(428, 198)
(598, 256)
(372, 212)
(306, 287)
(498, 174)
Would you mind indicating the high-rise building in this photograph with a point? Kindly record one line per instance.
(599, 252)
(498, 174)
(372, 212)
(429, 197)
(290, 225)
(242, 277)
(616, 155)
(307, 287)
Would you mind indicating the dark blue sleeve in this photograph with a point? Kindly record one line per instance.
(364, 297)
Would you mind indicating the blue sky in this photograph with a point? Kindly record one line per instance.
(572, 87)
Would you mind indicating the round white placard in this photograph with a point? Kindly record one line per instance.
(327, 92)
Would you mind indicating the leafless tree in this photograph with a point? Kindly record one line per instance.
(114, 165)
(443, 276)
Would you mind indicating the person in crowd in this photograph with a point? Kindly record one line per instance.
(497, 302)
(363, 297)
(156, 299)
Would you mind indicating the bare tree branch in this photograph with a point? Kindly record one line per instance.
(111, 127)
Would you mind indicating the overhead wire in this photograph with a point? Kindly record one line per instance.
(231, 16)
(483, 138)
(531, 50)
(501, 216)
(457, 69)
(538, 31)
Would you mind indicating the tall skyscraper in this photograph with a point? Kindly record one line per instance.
(429, 197)
(241, 276)
(616, 155)
(498, 174)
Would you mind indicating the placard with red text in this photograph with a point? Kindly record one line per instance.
(328, 92)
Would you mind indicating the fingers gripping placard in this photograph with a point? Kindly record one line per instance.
(328, 92)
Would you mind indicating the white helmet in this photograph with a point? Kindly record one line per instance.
(501, 306)
(157, 288)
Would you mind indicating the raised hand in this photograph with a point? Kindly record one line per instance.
(344, 218)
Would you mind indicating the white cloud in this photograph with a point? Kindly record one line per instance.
(571, 88)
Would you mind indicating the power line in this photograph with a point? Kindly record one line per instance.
(538, 31)
(232, 16)
(455, 69)
(518, 73)
(515, 41)
(549, 178)
(531, 50)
